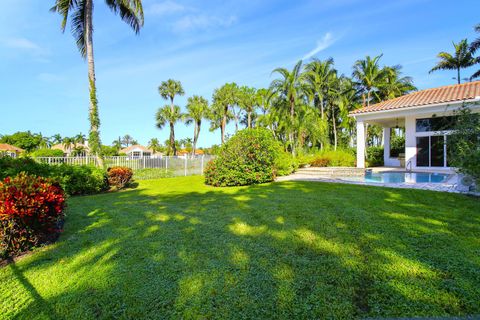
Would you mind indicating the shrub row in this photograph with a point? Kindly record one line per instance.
(328, 158)
(75, 180)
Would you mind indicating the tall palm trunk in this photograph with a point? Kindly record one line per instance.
(224, 124)
(172, 138)
(291, 134)
(94, 136)
(334, 127)
(458, 75)
(323, 116)
(249, 119)
(172, 129)
(196, 133)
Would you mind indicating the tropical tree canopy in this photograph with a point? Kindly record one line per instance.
(460, 59)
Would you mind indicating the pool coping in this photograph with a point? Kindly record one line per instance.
(450, 185)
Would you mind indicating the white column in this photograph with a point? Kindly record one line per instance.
(386, 146)
(360, 144)
(410, 143)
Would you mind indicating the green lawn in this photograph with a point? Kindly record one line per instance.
(175, 248)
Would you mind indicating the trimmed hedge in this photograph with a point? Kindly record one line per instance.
(247, 158)
(75, 180)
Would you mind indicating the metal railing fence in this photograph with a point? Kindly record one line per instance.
(143, 167)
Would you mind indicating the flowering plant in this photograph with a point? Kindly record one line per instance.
(31, 212)
(119, 176)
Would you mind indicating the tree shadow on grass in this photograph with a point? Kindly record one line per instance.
(281, 250)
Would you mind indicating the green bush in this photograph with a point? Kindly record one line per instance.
(246, 158)
(80, 180)
(74, 180)
(329, 158)
(463, 145)
(375, 156)
(47, 153)
(285, 164)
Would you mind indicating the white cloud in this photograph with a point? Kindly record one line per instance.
(202, 21)
(166, 8)
(322, 44)
(21, 43)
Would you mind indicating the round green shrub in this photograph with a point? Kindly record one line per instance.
(247, 158)
(47, 153)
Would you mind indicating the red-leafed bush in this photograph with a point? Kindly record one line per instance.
(320, 162)
(119, 176)
(31, 213)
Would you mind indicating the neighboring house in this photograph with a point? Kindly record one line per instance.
(427, 116)
(139, 151)
(77, 149)
(9, 150)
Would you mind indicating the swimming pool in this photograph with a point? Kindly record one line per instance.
(400, 177)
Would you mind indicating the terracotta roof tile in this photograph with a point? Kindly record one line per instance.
(9, 147)
(452, 93)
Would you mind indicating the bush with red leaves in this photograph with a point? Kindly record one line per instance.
(119, 176)
(31, 213)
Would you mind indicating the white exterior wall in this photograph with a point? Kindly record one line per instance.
(387, 117)
(360, 144)
(410, 143)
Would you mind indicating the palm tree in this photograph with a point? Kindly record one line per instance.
(117, 144)
(197, 110)
(79, 138)
(166, 115)
(291, 89)
(154, 145)
(81, 15)
(127, 140)
(68, 143)
(248, 102)
(224, 98)
(169, 90)
(56, 138)
(474, 46)
(317, 75)
(393, 85)
(462, 58)
(369, 76)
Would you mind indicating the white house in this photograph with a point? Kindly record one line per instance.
(426, 116)
(76, 149)
(9, 150)
(139, 151)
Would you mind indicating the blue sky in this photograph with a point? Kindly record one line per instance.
(43, 79)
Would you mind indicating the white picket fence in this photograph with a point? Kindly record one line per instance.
(143, 167)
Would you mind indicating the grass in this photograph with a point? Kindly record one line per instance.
(175, 248)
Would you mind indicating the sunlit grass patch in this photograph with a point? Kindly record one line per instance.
(175, 248)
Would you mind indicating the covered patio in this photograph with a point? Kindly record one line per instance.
(427, 116)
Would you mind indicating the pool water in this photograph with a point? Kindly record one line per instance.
(400, 177)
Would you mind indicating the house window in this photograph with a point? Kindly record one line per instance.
(436, 124)
(136, 154)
